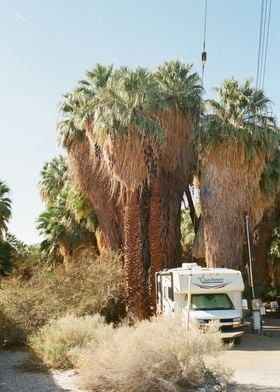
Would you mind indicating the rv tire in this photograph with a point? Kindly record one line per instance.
(237, 340)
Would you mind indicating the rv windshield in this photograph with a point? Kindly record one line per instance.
(211, 302)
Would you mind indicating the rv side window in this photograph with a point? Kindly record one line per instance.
(170, 296)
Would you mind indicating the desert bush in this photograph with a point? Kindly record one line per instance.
(52, 343)
(157, 356)
(92, 285)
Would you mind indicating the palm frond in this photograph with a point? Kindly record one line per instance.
(241, 113)
(5, 207)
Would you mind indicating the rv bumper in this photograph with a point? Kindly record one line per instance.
(232, 335)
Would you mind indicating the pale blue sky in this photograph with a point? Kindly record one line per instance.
(46, 45)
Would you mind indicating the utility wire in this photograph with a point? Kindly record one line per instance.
(263, 42)
(260, 46)
(266, 44)
(204, 53)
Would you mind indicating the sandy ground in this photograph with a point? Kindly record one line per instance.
(256, 361)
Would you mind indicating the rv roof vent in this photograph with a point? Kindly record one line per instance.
(189, 265)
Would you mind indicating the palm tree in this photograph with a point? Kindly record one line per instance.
(238, 138)
(85, 160)
(152, 117)
(181, 91)
(137, 128)
(68, 222)
(5, 208)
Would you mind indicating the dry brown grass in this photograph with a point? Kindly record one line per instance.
(52, 343)
(94, 285)
(157, 356)
(178, 153)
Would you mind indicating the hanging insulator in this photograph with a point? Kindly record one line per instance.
(204, 56)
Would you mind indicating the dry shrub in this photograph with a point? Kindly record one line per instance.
(92, 285)
(52, 343)
(157, 356)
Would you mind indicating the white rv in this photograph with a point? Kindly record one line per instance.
(216, 294)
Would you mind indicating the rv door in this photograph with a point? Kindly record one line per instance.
(167, 293)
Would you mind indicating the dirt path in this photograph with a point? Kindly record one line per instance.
(256, 361)
(13, 379)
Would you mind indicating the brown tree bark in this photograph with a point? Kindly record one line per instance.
(262, 242)
(66, 254)
(261, 245)
(155, 238)
(133, 257)
(145, 210)
(229, 182)
(193, 215)
(171, 199)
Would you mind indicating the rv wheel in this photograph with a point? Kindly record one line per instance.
(237, 340)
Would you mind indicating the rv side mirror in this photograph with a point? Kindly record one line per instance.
(244, 304)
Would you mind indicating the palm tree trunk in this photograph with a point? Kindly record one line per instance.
(133, 257)
(66, 254)
(155, 238)
(171, 198)
(229, 181)
(262, 242)
(261, 245)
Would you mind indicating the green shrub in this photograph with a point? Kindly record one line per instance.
(92, 285)
(157, 356)
(52, 343)
(6, 255)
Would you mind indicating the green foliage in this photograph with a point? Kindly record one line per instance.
(180, 87)
(68, 220)
(241, 114)
(270, 179)
(113, 101)
(29, 256)
(6, 255)
(274, 251)
(187, 230)
(5, 207)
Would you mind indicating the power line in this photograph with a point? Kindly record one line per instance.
(263, 42)
(204, 53)
(266, 45)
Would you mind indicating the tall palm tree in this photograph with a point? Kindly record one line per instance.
(84, 153)
(137, 128)
(5, 208)
(238, 138)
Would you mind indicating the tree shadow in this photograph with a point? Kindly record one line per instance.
(250, 388)
(255, 342)
(13, 377)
